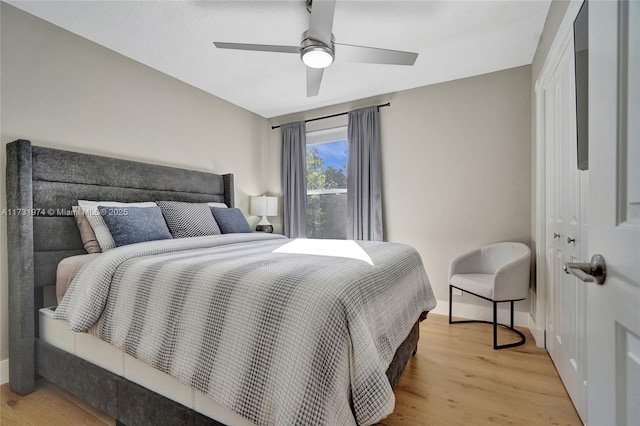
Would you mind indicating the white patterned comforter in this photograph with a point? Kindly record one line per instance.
(280, 338)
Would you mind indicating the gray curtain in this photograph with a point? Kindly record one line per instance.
(294, 179)
(364, 176)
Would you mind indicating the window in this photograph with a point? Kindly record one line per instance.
(327, 183)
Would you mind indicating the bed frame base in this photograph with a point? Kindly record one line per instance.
(130, 403)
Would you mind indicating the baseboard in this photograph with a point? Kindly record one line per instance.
(469, 311)
(4, 371)
(536, 332)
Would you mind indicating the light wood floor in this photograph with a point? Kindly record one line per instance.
(455, 379)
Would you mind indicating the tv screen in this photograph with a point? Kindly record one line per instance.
(581, 55)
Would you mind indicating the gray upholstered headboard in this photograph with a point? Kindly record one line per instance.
(42, 185)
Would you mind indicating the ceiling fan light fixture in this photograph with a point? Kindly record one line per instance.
(315, 53)
(317, 56)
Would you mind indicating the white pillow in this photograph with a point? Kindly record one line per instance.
(90, 210)
(219, 205)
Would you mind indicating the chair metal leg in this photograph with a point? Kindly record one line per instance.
(450, 303)
(512, 314)
(494, 323)
(511, 327)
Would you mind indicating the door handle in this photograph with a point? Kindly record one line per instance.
(595, 271)
(556, 235)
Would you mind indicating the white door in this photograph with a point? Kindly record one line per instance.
(566, 221)
(613, 324)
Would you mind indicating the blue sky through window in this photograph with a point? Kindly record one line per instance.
(333, 153)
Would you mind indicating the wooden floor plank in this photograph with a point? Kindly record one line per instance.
(456, 378)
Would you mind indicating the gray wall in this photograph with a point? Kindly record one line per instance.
(63, 91)
(456, 167)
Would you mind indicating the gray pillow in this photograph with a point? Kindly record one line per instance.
(230, 220)
(188, 219)
(129, 225)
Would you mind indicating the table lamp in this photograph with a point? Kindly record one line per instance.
(264, 206)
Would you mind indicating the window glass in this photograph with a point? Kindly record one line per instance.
(327, 152)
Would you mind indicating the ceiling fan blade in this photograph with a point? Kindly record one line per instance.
(257, 47)
(373, 55)
(322, 20)
(314, 78)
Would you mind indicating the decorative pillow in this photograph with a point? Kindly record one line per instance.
(129, 225)
(220, 205)
(90, 210)
(89, 239)
(230, 220)
(188, 219)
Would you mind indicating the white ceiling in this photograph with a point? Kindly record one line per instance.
(454, 39)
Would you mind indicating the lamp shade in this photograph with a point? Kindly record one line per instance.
(264, 206)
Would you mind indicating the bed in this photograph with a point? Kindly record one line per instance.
(42, 185)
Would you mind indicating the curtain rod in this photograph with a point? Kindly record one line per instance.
(332, 115)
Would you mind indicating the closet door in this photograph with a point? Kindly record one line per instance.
(566, 307)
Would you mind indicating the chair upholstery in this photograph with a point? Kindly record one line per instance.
(499, 271)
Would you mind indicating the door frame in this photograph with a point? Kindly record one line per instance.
(563, 36)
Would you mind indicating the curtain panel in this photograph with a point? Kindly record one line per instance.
(294, 179)
(364, 176)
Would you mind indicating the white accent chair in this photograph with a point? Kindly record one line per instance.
(498, 272)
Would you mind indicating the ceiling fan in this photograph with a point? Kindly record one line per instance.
(318, 48)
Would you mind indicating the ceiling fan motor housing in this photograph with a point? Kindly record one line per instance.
(315, 53)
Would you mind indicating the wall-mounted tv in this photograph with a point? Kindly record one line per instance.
(581, 55)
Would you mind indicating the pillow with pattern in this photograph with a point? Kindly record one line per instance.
(188, 219)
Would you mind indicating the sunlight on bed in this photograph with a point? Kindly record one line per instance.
(334, 248)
